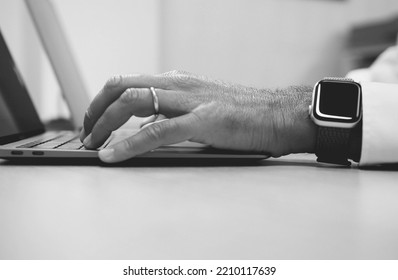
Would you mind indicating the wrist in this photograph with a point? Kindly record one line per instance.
(301, 129)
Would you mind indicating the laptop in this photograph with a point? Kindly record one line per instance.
(56, 45)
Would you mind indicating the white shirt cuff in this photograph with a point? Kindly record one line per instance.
(380, 123)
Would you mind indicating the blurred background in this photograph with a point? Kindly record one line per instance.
(261, 43)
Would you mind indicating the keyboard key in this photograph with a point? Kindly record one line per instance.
(47, 145)
(33, 143)
(70, 146)
(65, 138)
(65, 141)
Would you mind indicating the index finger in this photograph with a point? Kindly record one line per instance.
(113, 88)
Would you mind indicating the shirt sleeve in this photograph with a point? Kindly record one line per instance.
(380, 123)
(380, 109)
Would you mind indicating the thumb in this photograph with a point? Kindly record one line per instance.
(165, 132)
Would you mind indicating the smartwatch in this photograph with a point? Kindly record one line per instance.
(336, 109)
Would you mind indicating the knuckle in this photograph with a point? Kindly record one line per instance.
(183, 72)
(130, 96)
(172, 73)
(179, 78)
(113, 82)
(185, 80)
(155, 133)
(128, 145)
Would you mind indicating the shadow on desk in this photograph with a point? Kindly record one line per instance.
(384, 167)
(151, 162)
(290, 161)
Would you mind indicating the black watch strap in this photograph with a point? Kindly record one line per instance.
(332, 145)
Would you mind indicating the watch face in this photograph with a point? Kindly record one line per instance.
(337, 101)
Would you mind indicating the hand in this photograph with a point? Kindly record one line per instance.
(198, 109)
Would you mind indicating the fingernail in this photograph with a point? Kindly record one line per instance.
(106, 155)
(87, 141)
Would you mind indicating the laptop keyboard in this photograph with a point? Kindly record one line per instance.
(66, 141)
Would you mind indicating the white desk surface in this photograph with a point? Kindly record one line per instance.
(287, 208)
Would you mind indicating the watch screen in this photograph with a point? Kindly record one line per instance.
(338, 101)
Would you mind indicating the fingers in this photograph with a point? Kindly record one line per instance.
(112, 91)
(138, 102)
(165, 132)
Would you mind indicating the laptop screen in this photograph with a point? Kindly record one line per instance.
(18, 117)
